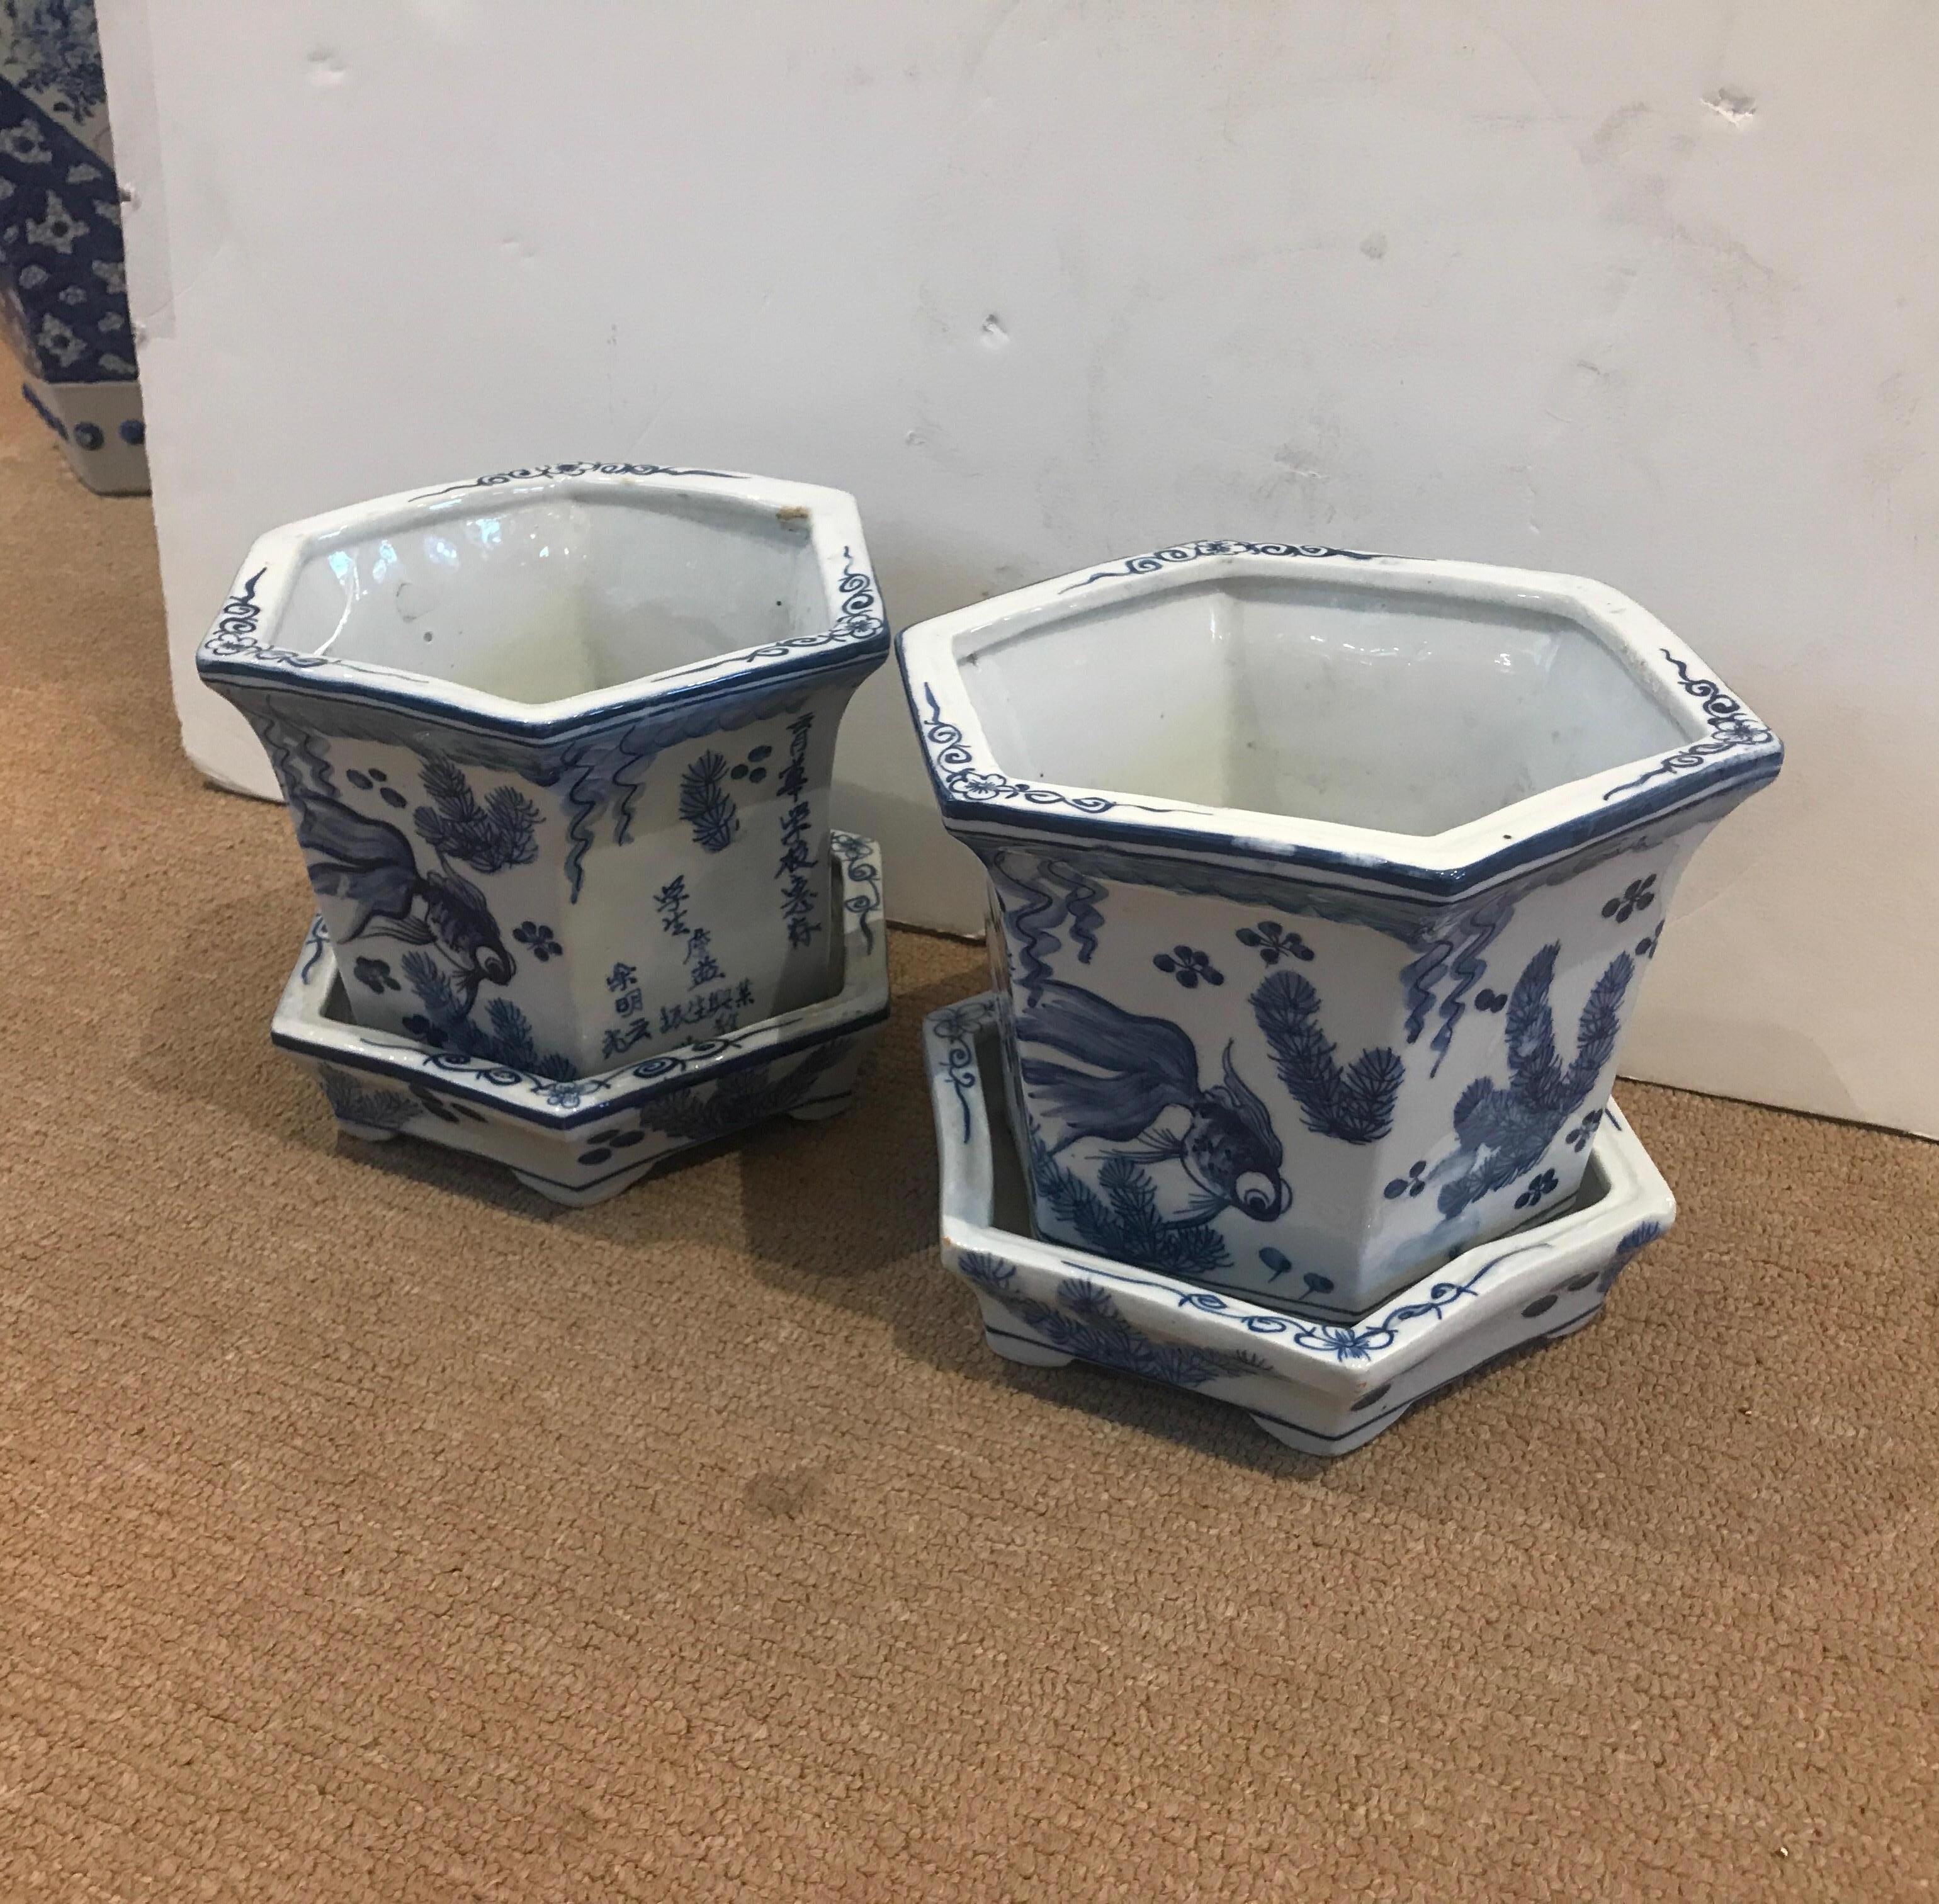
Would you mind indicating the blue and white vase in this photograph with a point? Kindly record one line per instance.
(1323, 885)
(63, 288)
(557, 744)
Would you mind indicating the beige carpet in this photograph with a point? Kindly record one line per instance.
(371, 1528)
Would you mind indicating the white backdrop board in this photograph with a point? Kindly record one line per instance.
(1645, 293)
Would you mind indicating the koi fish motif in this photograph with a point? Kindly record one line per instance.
(1138, 1071)
(374, 866)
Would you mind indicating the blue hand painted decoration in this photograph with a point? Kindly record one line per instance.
(863, 879)
(53, 46)
(316, 942)
(1190, 967)
(1455, 952)
(1633, 1243)
(63, 285)
(373, 865)
(1273, 942)
(962, 778)
(499, 477)
(1125, 1223)
(1039, 895)
(1347, 1342)
(539, 940)
(1504, 1130)
(1731, 723)
(1604, 1278)
(1639, 896)
(370, 1105)
(374, 974)
(487, 838)
(1312, 1283)
(1149, 564)
(1545, 1184)
(1350, 1342)
(1412, 1184)
(1584, 1134)
(858, 617)
(797, 860)
(1138, 1069)
(958, 1028)
(705, 804)
(373, 781)
(1354, 1105)
(1085, 1322)
(445, 1023)
(234, 634)
(750, 769)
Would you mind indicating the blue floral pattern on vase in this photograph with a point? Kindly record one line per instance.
(539, 940)
(1546, 1184)
(374, 974)
(1639, 896)
(63, 283)
(1273, 942)
(1188, 967)
(1413, 1184)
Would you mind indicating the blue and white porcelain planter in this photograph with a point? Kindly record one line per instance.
(581, 1140)
(1323, 885)
(1325, 1388)
(557, 744)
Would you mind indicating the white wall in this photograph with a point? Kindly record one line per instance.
(1644, 291)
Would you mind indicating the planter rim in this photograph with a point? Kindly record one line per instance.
(856, 640)
(1726, 751)
(1348, 1359)
(301, 1024)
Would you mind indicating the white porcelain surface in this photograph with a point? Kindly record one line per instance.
(581, 1140)
(1325, 1388)
(557, 744)
(1323, 885)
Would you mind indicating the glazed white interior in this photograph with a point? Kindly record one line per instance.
(551, 596)
(1373, 704)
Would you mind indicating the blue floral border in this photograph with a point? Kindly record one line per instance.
(1155, 560)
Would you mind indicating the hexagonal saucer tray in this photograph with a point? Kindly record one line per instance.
(1323, 1387)
(580, 1140)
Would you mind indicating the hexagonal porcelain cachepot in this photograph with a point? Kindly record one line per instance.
(1323, 885)
(557, 744)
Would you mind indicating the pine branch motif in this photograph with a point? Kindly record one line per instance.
(358, 1103)
(1128, 1226)
(705, 804)
(1085, 1322)
(1354, 1105)
(445, 1024)
(487, 837)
